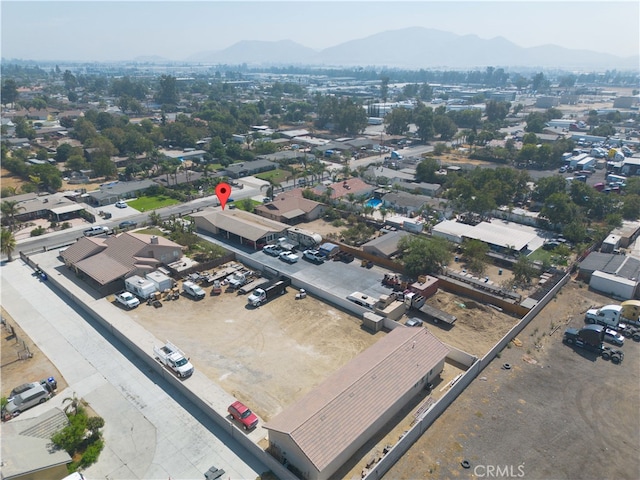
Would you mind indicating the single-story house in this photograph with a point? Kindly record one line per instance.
(404, 202)
(385, 246)
(27, 451)
(244, 169)
(111, 192)
(342, 190)
(179, 178)
(244, 227)
(106, 262)
(320, 432)
(291, 209)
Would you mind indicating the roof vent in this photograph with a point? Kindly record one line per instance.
(154, 239)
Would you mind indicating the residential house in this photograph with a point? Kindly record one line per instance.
(404, 202)
(291, 209)
(243, 227)
(27, 451)
(244, 169)
(104, 263)
(111, 192)
(319, 433)
(385, 246)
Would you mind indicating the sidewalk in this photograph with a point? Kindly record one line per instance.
(151, 430)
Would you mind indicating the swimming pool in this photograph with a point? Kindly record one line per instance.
(373, 202)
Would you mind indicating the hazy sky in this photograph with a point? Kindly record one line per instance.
(118, 30)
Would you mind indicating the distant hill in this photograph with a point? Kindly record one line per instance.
(414, 48)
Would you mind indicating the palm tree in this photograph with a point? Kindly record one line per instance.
(9, 209)
(75, 404)
(271, 187)
(7, 243)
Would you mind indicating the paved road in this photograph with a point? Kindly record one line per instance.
(151, 431)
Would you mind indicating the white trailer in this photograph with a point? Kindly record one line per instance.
(139, 286)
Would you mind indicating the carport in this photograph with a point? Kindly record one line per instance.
(66, 211)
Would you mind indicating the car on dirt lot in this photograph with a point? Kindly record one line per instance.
(413, 322)
(613, 337)
(272, 250)
(241, 413)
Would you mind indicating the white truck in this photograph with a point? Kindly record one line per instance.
(174, 359)
(127, 299)
(611, 316)
(96, 230)
(193, 289)
(237, 280)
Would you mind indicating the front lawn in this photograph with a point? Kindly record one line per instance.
(277, 176)
(147, 204)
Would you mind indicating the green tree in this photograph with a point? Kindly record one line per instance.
(524, 270)
(558, 209)
(167, 90)
(475, 255)
(7, 243)
(444, 126)
(424, 255)
(384, 88)
(496, 111)
(426, 171)
(397, 121)
(423, 119)
(9, 92)
(9, 209)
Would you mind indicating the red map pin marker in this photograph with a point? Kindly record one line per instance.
(223, 191)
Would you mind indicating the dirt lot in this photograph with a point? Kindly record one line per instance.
(17, 367)
(267, 356)
(556, 413)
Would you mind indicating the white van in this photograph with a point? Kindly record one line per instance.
(30, 398)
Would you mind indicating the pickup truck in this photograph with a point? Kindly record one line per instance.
(174, 359)
(313, 256)
(96, 230)
(127, 299)
(288, 256)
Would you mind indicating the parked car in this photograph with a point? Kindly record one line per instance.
(128, 224)
(613, 337)
(272, 250)
(30, 398)
(413, 322)
(288, 256)
(313, 256)
(241, 413)
(121, 204)
(96, 230)
(562, 169)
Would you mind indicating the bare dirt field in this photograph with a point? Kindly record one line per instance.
(17, 366)
(267, 356)
(558, 412)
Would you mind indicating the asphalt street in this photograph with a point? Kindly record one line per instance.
(151, 431)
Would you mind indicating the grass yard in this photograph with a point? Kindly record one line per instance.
(148, 204)
(277, 176)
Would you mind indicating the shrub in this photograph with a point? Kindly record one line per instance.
(36, 232)
(92, 453)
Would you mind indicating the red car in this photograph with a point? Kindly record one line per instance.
(240, 412)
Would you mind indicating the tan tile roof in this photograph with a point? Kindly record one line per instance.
(284, 204)
(335, 414)
(120, 255)
(83, 248)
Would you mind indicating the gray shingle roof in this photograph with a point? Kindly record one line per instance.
(323, 423)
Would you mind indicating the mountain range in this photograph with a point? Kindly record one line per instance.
(415, 48)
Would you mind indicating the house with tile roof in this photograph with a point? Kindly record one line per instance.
(291, 209)
(105, 263)
(342, 190)
(320, 432)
